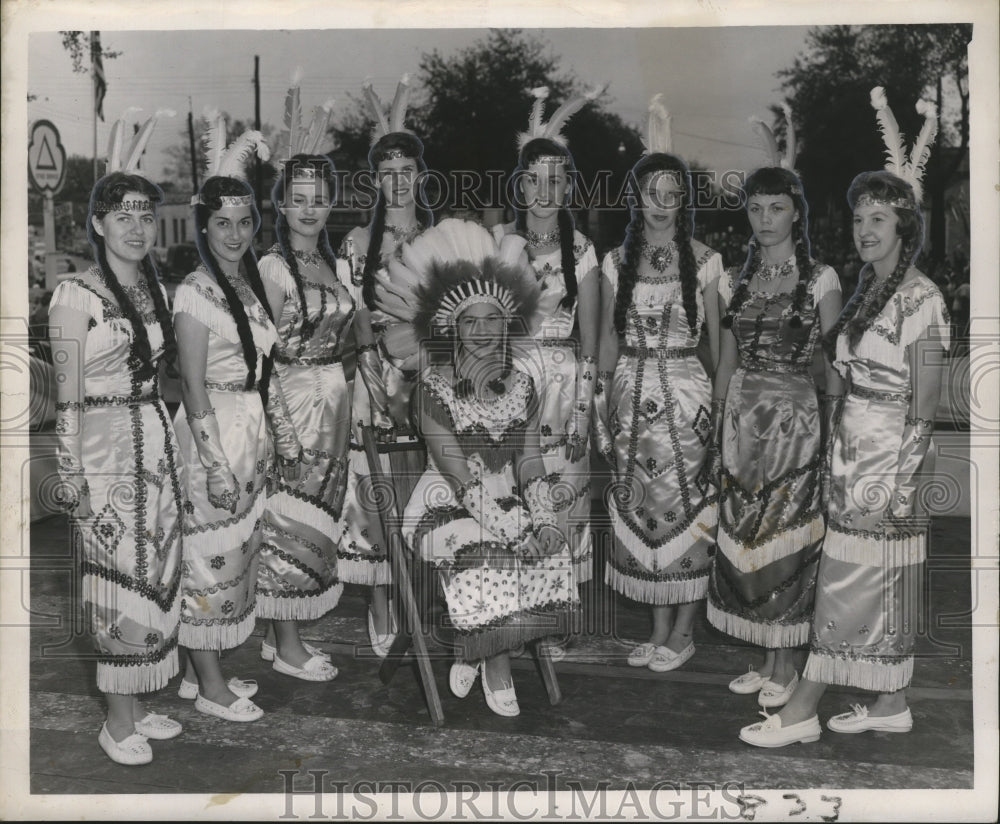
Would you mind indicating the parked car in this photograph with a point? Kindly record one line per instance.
(182, 259)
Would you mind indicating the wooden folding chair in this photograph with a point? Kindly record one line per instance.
(395, 492)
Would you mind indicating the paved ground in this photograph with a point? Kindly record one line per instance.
(616, 724)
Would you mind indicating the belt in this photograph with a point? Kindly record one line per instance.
(877, 395)
(670, 353)
(120, 400)
(781, 368)
(233, 386)
(318, 360)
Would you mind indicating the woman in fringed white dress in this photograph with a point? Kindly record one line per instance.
(659, 290)
(224, 333)
(381, 391)
(297, 578)
(564, 368)
(889, 344)
(118, 458)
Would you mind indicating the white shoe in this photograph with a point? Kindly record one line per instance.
(243, 689)
(131, 752)
(774, 695)
(858, 720)
(502, 702)
(158, 727)
(665, 659)
(381, 644)
(268, 651)
(242, 709)
(747, 683)
(461, 677)
(315, 669)
(641, 655)
(770, 733)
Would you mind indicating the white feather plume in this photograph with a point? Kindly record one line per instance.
(658, 130)
(791, 145)
(921, 151)
(891, 136)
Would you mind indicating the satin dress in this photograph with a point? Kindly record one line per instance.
(495, 599)
(362, 557)
(663, 516)
(132, 545)
(771, 525)
(868, 594)
(218, 606)
(297, 577)
(551, 358)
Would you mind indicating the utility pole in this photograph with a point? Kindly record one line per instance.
(256, 125)
(194, 156)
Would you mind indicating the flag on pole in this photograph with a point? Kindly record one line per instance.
(97, 65)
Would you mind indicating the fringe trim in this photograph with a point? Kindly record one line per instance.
(305, 513)
(274, 268)
(300, 607)
(130, 680)
(108, 595)
(217, 636)
(865, 675)
(187, 300)
(901, 549)
(364, 573)
(753, 558)
(657, 593)
(763, 634)
(523, 627)
(203, 539)
(74, 296)
(702, 526)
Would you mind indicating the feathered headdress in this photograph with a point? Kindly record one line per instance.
(122, 160)
(300, 140)
(231, 161)
(911, 170)
(552, 129)
(441, 273)
(659, 138)
(397, 111)
(770, 143)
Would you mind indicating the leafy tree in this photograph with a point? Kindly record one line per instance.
(828, 87)
(469, 107)
(78, 44)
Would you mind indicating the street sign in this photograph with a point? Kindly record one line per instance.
(46, 158)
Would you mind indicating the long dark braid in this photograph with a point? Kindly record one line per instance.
(394, 144)
(211, 193)
(373, 257)
(530, 152)
(687, 264)
(148, 268)
(861, 310)
(628, 269)
(773, 180)
(106, 195)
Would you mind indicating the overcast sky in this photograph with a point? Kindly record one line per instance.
(712, 79)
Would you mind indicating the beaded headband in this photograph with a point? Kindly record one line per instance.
(897, 203)
(471, 292)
